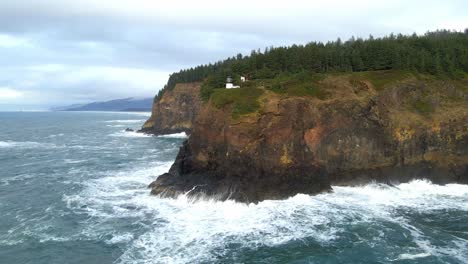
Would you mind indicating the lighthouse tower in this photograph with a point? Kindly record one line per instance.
(229, 84)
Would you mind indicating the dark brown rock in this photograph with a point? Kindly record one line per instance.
(304, 145)
(175, 111)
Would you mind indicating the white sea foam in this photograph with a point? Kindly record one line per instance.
(56, 135)
(72, 161)
(175, 135)
(126, 121)
(119, 113)
(413, 256)
(182, 231)
(116, 239)
(195, 229)
(115, 125)
(19, 178)
(147, 114)
(25, 144)
(417, 195)
(130, 134)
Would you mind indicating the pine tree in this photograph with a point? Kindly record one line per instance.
(440, 53)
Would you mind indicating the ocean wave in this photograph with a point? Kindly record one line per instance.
(126, 121)
(17, 178)
(56, 135)
(122, 238)
(30, 227)
(175, 135)
(114, 190)
(417, 195)
(182, 231)
(72, 161)
(147, 114)
(324, 218)
(25, 144)
(413, 256)
(129, 134)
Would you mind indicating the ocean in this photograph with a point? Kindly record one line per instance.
(73, 189)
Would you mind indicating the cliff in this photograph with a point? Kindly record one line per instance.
(357, 129)
(175, 111)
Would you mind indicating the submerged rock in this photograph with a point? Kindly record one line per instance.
(304, 144)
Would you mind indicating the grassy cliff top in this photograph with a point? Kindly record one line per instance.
(430, 92)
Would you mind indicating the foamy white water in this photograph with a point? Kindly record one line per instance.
(183, 231)
(146, 114)
(129, 134)
(25, 144)
(73, 188)
(175, 135)
(126, 121)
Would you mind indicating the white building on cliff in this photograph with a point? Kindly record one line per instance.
(229, 84)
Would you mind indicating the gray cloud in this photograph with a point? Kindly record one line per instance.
(74, 51)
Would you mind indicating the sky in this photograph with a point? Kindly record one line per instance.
(61, 52)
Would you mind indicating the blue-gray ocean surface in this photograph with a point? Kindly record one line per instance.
(73, 189)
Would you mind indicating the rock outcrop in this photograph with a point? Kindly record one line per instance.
(175, 111)
(356, 134)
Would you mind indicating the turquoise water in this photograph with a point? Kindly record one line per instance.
(73, 189)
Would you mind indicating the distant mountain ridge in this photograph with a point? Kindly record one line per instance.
(125, 104)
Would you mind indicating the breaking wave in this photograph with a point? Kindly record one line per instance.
(126, 121)
(87, 191)
(182, 231)
(25, 144)
(175, 135)
(56, 135)
(147, 114)
(130, 134)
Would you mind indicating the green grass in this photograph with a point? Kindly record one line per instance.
(462, 84)
(244, 100)
(299, 84)
(380, 79)
(305, 89)
(422, 107)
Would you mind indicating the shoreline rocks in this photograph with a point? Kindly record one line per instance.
(305, 144)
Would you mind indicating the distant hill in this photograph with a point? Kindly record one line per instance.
(126, 104)
(64, 108)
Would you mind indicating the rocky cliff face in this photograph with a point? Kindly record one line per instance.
(175, 111)
(411, 129)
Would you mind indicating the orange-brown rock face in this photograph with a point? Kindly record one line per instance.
(175, 111)
(304, 145)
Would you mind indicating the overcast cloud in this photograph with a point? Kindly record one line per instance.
(58, 52)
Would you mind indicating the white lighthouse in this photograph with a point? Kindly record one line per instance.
(229, 84)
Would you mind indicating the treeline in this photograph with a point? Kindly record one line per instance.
(442, 53)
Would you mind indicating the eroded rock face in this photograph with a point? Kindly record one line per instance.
(304, 145)
(175, 112)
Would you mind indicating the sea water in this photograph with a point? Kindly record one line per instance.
(73, 189)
